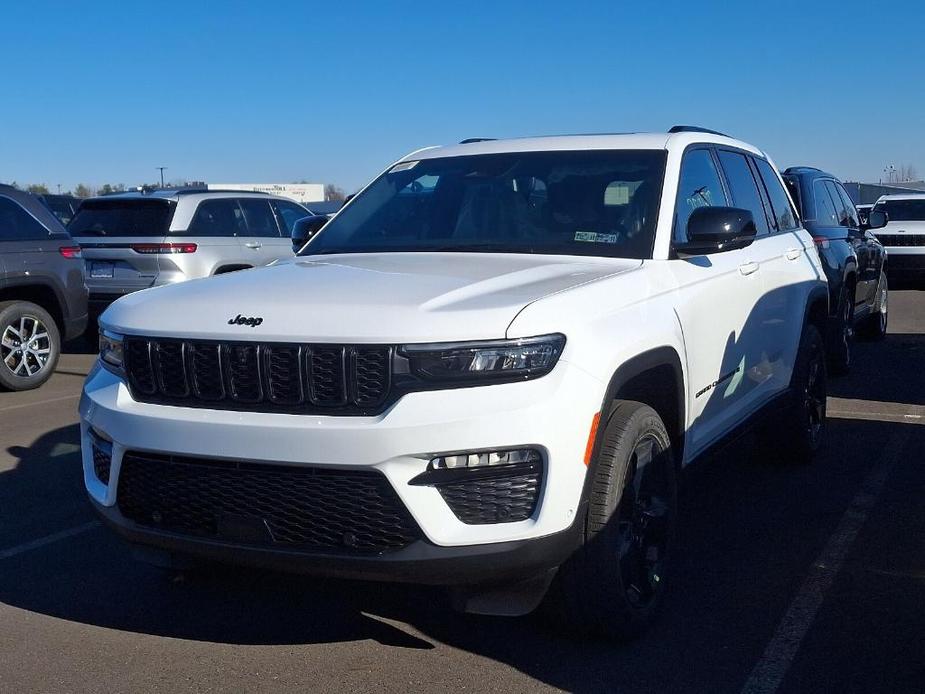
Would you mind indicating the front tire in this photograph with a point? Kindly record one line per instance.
(614, 584)
(29, 345)
(874, 327)
(804, 419)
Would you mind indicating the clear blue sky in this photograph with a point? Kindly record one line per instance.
(278, 91)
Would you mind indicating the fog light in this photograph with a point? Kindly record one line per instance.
(485, 459)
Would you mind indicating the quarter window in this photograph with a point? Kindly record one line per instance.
(784, 216)
(18, 225)
(700, 186)
(745, 193)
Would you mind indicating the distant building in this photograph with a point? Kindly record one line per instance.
(867, 193)
(300, 192)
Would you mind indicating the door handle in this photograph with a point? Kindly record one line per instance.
(748, 268)
(793, 253)
(252, 244)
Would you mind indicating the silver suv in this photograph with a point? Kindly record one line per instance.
(133, 241)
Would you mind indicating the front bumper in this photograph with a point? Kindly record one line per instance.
(904, 264)
(551, 414)
(421, 562)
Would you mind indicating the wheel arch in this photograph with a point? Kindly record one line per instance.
(40, 293)
(816, 311)
(656, 378)
(231, 267)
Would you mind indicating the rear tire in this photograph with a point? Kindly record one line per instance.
(29, 345)
(614, 584)
(804, 419)
(842, 334)
(874, 327)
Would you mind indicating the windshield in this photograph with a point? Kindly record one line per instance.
(601, 203)
(121, 218)
(903, 210)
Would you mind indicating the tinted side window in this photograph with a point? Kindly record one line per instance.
(784, 215)
(826, 214)
(700, 186)
(850, 212)
(287, 213)
(258, 217)
(744, 189)
(218, 218)
(18, 225)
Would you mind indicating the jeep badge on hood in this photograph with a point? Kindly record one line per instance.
(242, 320)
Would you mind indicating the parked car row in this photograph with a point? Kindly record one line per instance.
(485, 372)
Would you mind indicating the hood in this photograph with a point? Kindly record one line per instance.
(361, 298)
(915, 226)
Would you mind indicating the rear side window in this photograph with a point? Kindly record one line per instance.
(784, 216)
(122, 218)
(287, 213)
(826, 213)
(745, 193)
(18, 225)
(903, 210)
(699, 186)
(259, 218)
(218, 218)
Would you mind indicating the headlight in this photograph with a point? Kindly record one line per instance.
(495, 360)
(111, 351)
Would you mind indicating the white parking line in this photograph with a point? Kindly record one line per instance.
(48, 539)
(770, 671)
(39, 402)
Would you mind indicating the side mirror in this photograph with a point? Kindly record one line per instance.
(717, 229)
(348, 199)
(304, 229)
(877, 219)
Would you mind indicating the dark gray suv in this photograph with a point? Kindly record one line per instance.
(43, 297)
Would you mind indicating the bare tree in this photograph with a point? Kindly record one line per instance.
(84, 191)
(332, 193)
(907, 172)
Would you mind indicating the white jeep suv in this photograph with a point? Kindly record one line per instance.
(903, 235)
(485, 372)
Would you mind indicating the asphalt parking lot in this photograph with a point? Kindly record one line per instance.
(789, 578)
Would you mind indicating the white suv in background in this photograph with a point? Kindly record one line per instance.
(133, 241)
(904, 234)
(485, 372)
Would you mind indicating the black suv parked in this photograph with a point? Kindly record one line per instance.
(43, 298)
(64, 207)
(853, 259)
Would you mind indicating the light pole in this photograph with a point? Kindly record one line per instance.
(59, 189)
(161, 169)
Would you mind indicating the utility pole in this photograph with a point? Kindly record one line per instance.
(161, 169)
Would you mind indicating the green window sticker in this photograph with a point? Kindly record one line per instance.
(594, 237)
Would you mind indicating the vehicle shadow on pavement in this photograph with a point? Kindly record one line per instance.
(750, 526)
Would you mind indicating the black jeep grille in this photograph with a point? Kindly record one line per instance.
(901, 240)
(286, 507)
(312, 379)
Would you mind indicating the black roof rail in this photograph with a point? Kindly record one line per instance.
(470, 140)
(794, 169)
(694, 129)
(189, 191)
